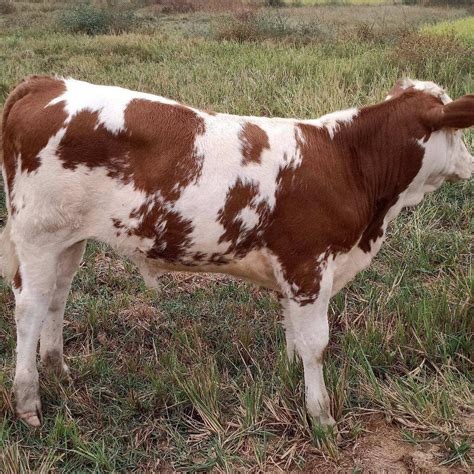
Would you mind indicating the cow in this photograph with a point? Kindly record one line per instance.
(297, 206)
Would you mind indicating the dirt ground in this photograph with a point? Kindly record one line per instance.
(381, 449)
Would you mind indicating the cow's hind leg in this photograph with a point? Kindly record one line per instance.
(289, 330)
(34, 290)
(51, 340)
(310, 336)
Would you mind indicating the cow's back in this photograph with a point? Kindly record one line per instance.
(142, 173)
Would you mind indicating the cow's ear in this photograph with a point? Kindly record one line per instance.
(458, 113)
(397, 90)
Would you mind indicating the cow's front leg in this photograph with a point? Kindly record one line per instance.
(310, 334)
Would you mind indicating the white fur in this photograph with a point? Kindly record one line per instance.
(110, 102)
(334, 120)
(249, 218)
(51, 339)
(309, 334)
(428, 87)
(8, 258)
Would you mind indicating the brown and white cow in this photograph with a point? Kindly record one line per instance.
(299, 206)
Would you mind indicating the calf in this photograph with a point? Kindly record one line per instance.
(298, 206)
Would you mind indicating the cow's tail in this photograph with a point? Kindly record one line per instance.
(8, 258)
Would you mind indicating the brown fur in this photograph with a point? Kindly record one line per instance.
(156, 152)
(238, 197)
(24, 109)
(457, 114)
(345, 186)
(17, 281)
(254, 141)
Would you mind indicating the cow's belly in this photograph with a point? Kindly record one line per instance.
(254, 267)
(176, 236)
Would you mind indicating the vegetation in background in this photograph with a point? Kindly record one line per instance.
(194, 376)
(463, 28)
(93, 20)
(7, 7)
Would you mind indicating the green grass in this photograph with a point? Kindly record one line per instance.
(463, 28)
(194, 376)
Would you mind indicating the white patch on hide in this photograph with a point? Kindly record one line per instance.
(110, 102)
(331, 122)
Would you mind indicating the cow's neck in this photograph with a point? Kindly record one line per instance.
(384, 151)
(386, 144)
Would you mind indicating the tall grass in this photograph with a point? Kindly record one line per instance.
(92, 20)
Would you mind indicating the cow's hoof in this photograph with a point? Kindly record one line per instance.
(320, 412)
(323, 419)
(27, 399)
(327, 420)
(30, 411)
(31, 418)
(53, 362)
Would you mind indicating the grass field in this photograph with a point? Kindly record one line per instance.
(194, 377)
(344, 2)
(463, 28)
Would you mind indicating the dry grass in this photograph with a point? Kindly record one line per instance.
(186, 6)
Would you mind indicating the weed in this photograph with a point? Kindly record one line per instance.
(259, 26)
(418, 53)
(462, 29)
(91, 20)
(177, 6)
(274, 3)
(7, 7)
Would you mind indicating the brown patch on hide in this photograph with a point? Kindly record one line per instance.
(17, 281)
(239, 197)
(28, 124)
(155, 152)
(163, 146)
(90, 144)
(254, 140)
(168, 229)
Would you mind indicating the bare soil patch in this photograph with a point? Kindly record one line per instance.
(380, 448)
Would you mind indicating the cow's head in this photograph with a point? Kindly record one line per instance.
(449, 120)
(446, 155)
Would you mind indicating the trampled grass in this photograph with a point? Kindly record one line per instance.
(194, 376)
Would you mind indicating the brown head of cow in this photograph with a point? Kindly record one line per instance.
(299, 206)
